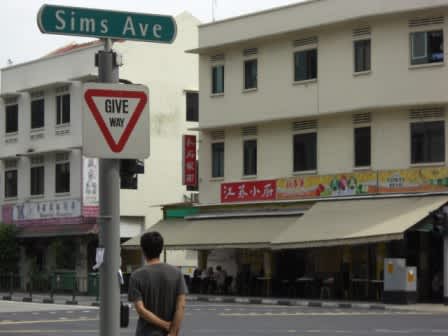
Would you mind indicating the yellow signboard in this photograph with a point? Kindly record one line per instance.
(350, 184)
(413, 180)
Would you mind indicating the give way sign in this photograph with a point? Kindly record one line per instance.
(116, 121)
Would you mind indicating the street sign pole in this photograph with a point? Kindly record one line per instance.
(109, 216)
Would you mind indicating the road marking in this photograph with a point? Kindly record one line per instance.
(46, 332)
(261, 314)
(60, 320)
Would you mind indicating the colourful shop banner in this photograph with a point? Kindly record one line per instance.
(248, 191)
(351, 184)
(413, 180)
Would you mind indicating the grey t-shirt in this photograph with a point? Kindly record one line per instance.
(158, 286)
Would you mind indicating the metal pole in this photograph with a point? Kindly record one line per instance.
(445, 269)
(109, 216)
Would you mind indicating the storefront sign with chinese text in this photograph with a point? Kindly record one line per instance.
(189, 161)
(248, 191)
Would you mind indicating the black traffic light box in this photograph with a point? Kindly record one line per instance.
(129, 170)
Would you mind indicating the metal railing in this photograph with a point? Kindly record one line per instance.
(49, 285)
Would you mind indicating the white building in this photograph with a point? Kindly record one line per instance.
(312, 116)
(49, 189)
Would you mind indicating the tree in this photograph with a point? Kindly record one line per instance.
(9, 249)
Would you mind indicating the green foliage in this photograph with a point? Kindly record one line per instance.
(9, 249)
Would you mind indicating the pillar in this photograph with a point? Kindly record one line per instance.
(81, 264)
(267, 263)
(202, 259)
(445, 269)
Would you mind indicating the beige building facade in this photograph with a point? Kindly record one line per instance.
(323, 151)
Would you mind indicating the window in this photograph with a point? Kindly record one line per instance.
(63, 109)
(250, 157)
(428, 142)
(12, 118)
(305, 65)
(62, 177)
(218, 159)
(11, 183)
(427, 47)
(218, 79)
(37, 113)
(305, 152)
(362, 55)
(37, 180)
(250, 74)
(362, 147)
(192, 106)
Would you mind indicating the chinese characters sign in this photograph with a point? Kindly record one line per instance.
(189, 161)
(248, 191)
(339, 185)
(90, 187)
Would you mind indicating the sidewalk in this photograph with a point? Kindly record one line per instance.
(84, 300)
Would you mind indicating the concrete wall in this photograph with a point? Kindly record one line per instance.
(392, 81)
(390, 144)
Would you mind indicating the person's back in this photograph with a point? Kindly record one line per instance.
(158, 292)
(159, 287)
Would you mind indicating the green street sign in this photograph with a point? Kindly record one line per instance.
(106, 24)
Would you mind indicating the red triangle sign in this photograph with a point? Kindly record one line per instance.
(116, 145)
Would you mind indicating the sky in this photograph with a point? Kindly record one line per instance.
(22, 40)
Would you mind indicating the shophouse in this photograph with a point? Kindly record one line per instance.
(323, 150)
(50, 190)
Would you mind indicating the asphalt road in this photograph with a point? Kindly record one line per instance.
(17, 318)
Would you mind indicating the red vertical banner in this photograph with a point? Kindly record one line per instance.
(189, 168)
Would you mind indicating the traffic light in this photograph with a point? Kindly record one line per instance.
(129, 170)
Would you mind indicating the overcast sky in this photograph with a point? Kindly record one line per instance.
(22, 41)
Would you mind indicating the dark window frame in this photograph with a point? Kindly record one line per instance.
(310, 163)
(10, 110)
(218, 89)
(38, 116)
(424, 141)
(37, 187)
(250, 79)
(250, 159)
(62, 183)
(434, 49)
(363, 156)
(11, 191)
(192, 106)
(63, 109)
(363, 46)
(310, 73)
(218, 159)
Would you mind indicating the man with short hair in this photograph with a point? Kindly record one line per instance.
(158, 291)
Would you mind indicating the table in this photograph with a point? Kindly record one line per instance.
(265, 285)
(307, 283)
(378, 285)
(357, 285)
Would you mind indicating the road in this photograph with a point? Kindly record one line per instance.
(17, 318)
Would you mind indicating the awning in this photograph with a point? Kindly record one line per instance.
(57, 230)
(255, 232)
(357, 222)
